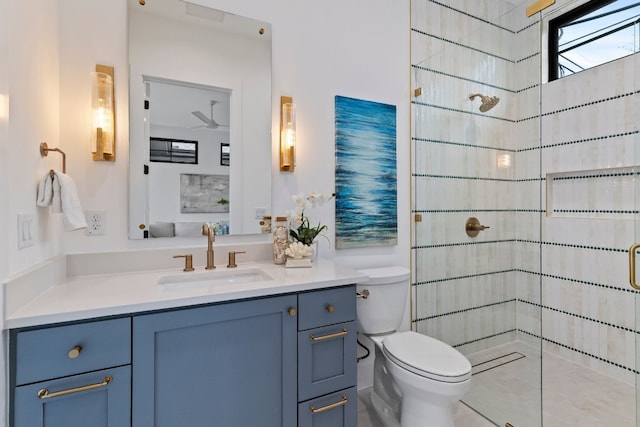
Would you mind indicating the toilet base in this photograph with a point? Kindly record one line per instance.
(418, 413)
(383, 411)
(413, 414)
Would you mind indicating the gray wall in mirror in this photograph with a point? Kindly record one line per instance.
(182, 57)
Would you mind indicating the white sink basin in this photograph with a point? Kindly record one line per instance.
(188, 280)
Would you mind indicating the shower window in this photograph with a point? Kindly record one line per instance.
(595, 33)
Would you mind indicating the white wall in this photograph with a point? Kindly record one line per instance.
(4, 189)
(29, 63)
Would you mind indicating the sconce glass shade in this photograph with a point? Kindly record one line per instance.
(287, 134)
(102, 127)
(4, 108)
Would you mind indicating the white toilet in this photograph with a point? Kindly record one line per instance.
(417, 379)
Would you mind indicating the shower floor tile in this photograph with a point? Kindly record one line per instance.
(510, 392)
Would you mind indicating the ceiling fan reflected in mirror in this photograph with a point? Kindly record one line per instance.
(209, 122)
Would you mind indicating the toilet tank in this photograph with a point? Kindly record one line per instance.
(382, 311)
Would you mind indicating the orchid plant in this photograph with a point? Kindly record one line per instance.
(300, 228)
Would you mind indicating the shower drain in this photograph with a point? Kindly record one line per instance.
(496, 362)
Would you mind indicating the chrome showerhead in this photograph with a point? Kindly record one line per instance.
(488, 102)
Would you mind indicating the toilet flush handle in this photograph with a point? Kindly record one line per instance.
(364, 294)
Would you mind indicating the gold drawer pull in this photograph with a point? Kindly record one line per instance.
(341, 402)
(43, 393)
(330, 308)
(292, 311)
(74, 352)
(342, 333)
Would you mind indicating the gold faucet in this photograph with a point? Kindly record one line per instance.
(232, 258)
(209, 230)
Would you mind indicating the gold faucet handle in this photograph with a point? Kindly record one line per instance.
(188, 261)
(232, 258)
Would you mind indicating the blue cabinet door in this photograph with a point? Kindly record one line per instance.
(231, 364)
(96, 399)
(326, 359)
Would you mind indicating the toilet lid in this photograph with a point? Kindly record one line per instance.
(427, 357)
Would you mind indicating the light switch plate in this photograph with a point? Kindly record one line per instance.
(26, 230)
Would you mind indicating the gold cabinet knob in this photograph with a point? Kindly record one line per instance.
(292, 311)
(74, 352)
(330, 308)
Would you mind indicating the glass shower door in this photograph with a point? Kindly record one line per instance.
(636, 198)
(476, 198)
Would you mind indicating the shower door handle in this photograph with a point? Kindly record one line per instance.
(632, 266)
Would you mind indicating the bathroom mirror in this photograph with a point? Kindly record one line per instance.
(199, 120)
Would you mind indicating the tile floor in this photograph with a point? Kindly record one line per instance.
(573, 396)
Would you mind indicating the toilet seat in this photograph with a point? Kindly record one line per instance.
(426, 357)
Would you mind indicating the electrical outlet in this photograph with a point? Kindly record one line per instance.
(260, 212)
(96, 223)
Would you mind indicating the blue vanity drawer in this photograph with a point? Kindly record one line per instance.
(326, 359)
(338, 409)
(72, 349)
(327, 307)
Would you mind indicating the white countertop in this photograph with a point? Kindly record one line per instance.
(90, 296)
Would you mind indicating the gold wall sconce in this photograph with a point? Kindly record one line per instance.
(103, 144)
(287, 134)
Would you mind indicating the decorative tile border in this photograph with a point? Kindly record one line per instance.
(472, 210)
(601, 359)
(453, 76)
(444, 245)
(464, 310)
(462, 12)
(455, 43)
(462, 144)
(470, 178)
(486, 337)
(545, 146)
(468, 276)
(456, 110)
(592, 103)
(579, 316)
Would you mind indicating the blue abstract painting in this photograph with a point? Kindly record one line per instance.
(366, 176)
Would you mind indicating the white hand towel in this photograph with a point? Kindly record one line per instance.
(56, 200)
(62, 195)
(45, 191)
(72, 213)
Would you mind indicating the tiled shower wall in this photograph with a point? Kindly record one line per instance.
(562, 276)
(590, 125)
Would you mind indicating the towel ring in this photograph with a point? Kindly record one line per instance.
(44, 151)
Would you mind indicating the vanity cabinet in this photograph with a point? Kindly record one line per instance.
(275, 361)
(327, 358)
(72, 375)
(231, 364)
